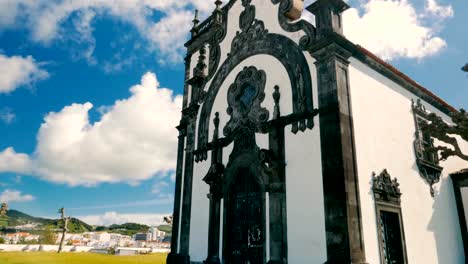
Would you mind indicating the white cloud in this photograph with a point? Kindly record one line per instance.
(17, 71)
(433, 8)
(396, 28)
(165, 199)
(7, 115)
(110, 218)
(158, 187)
(10, 196)
(393, 29)
(14, 162)
(133, 141)
(171, 32)
(45, 19)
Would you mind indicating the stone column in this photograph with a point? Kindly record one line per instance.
(178, 194)
(343, 223)
(215, 179)
(182, 257)
(277, 190)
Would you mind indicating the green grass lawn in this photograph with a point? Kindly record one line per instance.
(77, 258)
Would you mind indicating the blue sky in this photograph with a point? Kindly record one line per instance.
(90, 93)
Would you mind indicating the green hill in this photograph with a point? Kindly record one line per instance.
(16, 218)
(165, 228)
(128, 229)
(75, 225)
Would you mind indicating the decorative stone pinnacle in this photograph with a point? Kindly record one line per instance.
(328, 16)
(195, 21)
(217, 13)
(218, 4)
(276, 98)
(216, 124)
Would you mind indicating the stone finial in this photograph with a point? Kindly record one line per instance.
(216, 126)
(218, 4)
(276, 98)
(328, 16)
(297, 7)
(218, 13)
(195, 21)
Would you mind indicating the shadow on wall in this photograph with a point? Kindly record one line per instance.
(445, 225)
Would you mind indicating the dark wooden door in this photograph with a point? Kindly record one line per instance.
(391, 234)
(246, 221)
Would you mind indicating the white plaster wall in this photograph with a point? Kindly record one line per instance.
(200, 212)
(305, 206)
(384, 134)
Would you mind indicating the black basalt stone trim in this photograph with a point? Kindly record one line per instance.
(280, 47)
(206, 28)
(459, 180)
(178, 190)
(174, 258)
(190, 116)
(387, 199)
(277, 194)
(340, 180)
(290, 26)
(188, 60)
(429, 169)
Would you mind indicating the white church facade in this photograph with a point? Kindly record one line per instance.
(299, 146)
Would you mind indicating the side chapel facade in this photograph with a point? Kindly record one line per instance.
(299, 146)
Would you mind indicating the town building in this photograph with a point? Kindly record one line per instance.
(308, 146)
(143, 237)
(19, 237)
(156, 234)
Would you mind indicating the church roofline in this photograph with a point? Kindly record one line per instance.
(428, 96)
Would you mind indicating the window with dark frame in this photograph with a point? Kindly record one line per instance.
(389, 219)
(427, 159)
(426, 144)
(459, 181)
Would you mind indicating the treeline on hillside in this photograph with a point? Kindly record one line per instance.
(128, 229)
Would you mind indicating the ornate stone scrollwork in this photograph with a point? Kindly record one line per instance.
(254, 39)
(426, 159)
(290, 10)
(245, 96)
(247, 16)
(385, 189)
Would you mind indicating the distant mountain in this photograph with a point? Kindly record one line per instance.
(18, 218)
(165, 228)
(75, 225)
(128, 229)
